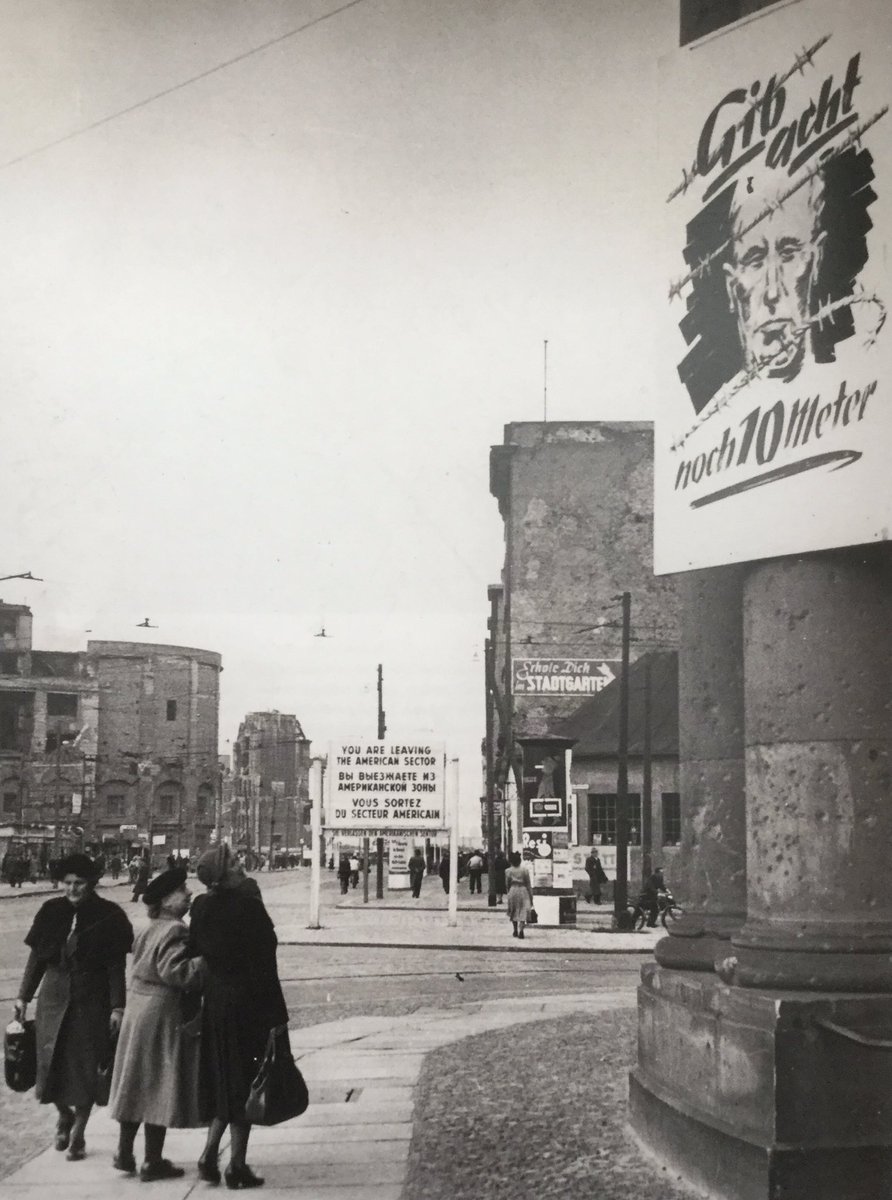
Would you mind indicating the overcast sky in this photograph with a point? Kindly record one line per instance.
(259, 332)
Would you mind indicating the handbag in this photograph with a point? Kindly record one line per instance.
(20, 1055)
(279, 1091)
(533, 918)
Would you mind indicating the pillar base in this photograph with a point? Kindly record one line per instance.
(697, 942)
(793, 955)
(751, 1096)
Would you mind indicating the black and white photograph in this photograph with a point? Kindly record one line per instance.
(446, 599)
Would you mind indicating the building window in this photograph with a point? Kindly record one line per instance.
(9, 624)
(10, 802)
(114, 805)
(203, 801)
(61, 704)
(9, 663)
(671, 818)
(171, 710)
(166, 804)
(602, 818)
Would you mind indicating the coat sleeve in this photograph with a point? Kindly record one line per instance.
(175, 967)
(34, 969)
(117, 984)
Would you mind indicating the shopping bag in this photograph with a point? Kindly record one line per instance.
(279, 1091)
(20, 1055)
(533, 918)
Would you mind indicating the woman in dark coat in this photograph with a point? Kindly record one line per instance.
(243, 1001)
(79, 943)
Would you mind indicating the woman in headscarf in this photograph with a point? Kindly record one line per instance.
(155, 1080)
(79, 943)
(243, 1001)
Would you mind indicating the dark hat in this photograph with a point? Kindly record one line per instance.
(77, 864)
(165, 883)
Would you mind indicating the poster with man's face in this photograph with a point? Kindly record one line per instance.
(776, 139)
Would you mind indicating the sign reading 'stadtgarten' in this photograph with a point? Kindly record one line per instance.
(560, 676)
(377, 788)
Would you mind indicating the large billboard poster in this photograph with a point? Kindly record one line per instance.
(776, 170)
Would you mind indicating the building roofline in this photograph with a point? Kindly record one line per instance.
(101, 649)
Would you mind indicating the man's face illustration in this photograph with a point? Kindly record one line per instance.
(770, 281)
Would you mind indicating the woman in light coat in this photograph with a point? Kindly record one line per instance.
(520, 894)
(155, 1080)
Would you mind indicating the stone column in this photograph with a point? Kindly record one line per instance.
(709, 879)
(818, 670)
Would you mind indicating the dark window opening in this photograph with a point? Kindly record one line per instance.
(61, 704)
(58, 739)
(9, 663)
(602, 817)
(10, 802)
(114, 805)
(701, 17)
(9, 624)
(671, 818)
(171, 710)
(166, 804)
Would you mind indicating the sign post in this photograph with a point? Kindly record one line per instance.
(385, 788)
(452, 918)
(315, 838)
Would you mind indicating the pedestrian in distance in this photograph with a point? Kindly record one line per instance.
(416, 872)
(520, 894)
(344, 874)
(155, 1079)
(650, 896)
(355, 865)
(141, 882)
(500, 866)
(115, 866)
(243, 1003)
(79, 944)
(444, 870)
(475, 872)
(596, 876)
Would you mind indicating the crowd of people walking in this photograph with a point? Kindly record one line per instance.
(186, 1033)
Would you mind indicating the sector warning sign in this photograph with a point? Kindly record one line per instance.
(379, 788)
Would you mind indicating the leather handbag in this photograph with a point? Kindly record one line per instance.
(20, 1055)
(279, 1091)
(533, 918)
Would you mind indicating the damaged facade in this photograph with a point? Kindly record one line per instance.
(270, 784)
(576, 498)
(112, 748)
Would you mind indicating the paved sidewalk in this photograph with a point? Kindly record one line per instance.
(400, 921)
(354, 1139)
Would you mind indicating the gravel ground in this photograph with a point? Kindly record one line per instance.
(470, 1142)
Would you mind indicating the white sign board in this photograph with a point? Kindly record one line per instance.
(378, 788)
(776, 145)
(398, 855)
(561, 676)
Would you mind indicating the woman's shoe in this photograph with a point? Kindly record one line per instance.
(162, 1168)
(63, 1131)
(124, 1162)
(76, 1151)
(241, 1177)
(208, 1170)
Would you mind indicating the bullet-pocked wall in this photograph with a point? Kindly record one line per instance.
(577, 501)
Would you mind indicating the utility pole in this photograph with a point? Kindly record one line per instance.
(646, 781)
(382, 730)
(621, 890)
(490, 670)
(57, 833)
